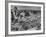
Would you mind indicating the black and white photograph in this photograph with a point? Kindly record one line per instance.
(25, 18)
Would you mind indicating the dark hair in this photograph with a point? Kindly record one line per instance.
(27, 14)
(15, 8)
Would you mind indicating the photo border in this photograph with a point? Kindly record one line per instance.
(6, 17)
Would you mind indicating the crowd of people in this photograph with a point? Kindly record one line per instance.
(24, 20)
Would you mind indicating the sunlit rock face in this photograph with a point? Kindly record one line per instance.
(25, 19)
